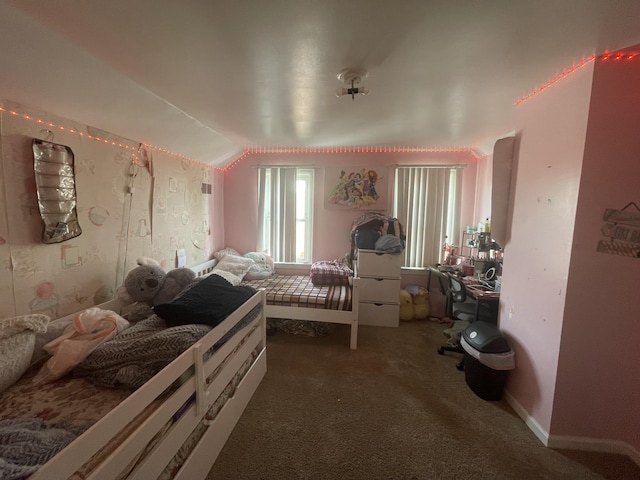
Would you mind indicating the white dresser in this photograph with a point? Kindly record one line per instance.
(379, 275)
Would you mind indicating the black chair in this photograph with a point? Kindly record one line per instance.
(459, 308)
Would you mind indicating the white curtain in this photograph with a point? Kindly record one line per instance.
(277, 212)
(427, 202)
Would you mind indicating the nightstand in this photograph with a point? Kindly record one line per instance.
(379, 275)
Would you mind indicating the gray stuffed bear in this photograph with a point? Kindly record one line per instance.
(148, 285)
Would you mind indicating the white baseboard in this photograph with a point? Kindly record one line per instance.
(531, 422)
(619, 447)
(568, 442)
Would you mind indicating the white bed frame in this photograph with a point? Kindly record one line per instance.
(203, 456)
(349, 317)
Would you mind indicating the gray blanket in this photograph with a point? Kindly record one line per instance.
(26, 444)
(135, 355)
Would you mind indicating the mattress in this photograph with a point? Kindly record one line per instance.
(299, 291)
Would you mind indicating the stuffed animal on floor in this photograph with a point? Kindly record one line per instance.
(149, 285)
(407, 311)
(421, 304)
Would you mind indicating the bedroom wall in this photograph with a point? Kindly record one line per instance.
(549, 150)
(599, 349)
(569, 309)
(166, 211)
(332, 223)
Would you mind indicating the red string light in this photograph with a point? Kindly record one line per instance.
(102, 140)
(257, 150)
(574, 68)
(260, 150)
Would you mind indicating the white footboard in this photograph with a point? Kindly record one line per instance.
(177, 410)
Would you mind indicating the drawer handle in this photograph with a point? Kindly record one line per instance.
(378, 279)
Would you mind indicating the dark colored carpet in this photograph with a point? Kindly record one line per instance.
(393, 409)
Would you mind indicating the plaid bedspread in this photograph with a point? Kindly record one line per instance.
(325, 272)
(299, 291)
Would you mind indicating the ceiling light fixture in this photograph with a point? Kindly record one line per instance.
(353, 78)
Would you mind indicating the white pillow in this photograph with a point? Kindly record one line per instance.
(220, 254)
(233, 268)
(17, 341)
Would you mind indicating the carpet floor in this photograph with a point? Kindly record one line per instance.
(392, 409)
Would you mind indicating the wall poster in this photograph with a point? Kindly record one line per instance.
(356, 187)
(622, 231)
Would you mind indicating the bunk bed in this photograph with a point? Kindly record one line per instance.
(173, 426)
(290, 294)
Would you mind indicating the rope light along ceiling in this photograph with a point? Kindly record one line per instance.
(361, 150)
(53, 127)
(620, 56)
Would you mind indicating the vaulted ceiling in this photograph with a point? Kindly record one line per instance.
(207, 79)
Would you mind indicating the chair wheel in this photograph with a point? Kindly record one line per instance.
(460, 366)
(440, 351)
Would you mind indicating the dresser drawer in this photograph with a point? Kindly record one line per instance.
(376, 264)
(386, 290)
(379, 314)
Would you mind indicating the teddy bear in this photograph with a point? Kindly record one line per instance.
(406, 306)
(421, 304)
(149, 285)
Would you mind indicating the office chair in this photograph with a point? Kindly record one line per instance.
(459, 308)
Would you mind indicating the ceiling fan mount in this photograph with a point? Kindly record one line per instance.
(353, 79)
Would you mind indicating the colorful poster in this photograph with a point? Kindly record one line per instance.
(356, 187)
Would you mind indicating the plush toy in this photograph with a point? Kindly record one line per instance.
(406, 306)
(148, 285)
(421, 304)
(262, 267)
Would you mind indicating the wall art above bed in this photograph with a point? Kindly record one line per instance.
(56, 188)
(356, 187)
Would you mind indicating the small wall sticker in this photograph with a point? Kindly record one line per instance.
(621, 229)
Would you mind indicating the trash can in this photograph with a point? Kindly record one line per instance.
(487, 359)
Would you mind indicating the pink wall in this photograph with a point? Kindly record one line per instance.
(331, 224)
(549, 150)
(598, 387)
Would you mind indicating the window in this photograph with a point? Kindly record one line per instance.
(427, 202)
(285, 209)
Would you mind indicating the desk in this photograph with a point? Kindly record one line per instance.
(490, 299)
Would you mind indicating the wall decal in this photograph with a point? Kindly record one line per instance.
(622, 231)
(45, 301)
(143, 229)
(70, 256)
(98, 216)
(356, 187)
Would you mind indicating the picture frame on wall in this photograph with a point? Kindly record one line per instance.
(356, 187)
